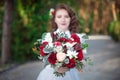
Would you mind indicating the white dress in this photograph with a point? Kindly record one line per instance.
(47, 72)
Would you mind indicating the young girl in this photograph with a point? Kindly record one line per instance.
(63, 19)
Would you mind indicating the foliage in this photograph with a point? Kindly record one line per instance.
(1, 17)
(30, 22)
(114, 30)
(31, 19)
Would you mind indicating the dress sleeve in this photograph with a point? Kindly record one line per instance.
(83, 39)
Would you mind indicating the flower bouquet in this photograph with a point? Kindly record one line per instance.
(60, 51)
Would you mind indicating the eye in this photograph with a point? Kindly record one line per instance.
(59, 16)
(66, 16)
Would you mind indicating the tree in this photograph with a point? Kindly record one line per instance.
(6, 33)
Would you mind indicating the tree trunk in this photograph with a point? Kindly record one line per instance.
(6, 34)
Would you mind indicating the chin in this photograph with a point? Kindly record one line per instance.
(64, 28)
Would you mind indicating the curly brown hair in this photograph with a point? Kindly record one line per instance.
(74, 23)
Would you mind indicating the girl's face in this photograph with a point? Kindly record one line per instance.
(62, 19)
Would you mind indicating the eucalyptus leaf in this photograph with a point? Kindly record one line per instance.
(85, 37)
(62, 34)
(45, 60)
(59, 74)
(90, 63)
(66, 61)
(48, 49)
(39, 41)
(58, 64)
(79, 65)
(43, 35)
(39, 57)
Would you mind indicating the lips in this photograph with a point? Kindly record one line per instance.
(63, 24)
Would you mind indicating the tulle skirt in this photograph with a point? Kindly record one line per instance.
(47, 74)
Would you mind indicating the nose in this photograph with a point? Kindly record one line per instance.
(63, 18)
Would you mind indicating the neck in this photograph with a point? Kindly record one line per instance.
(64, 30)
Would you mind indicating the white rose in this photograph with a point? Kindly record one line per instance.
(61, 56)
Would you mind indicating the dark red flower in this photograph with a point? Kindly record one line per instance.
(80, 55)
(62, 39)
(53, 13)
(77, 46)
(71, 63)
(75, 37)
(45, 43)
(54, 36)
(52, 58)
(41, 51)
(42, 48)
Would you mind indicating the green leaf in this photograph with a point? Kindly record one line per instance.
(79, 65)
(59, 74)
(84, 45)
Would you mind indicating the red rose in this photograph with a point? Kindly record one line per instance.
(75, 37)
(71, 63)
(45, 43)
(52, 58)
(42, 47)
(62, 39)
(80, 55)
(41, 51)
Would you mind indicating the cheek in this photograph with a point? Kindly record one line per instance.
(68, 21)
(57, 20)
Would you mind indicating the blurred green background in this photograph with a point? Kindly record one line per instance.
(31, 19)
